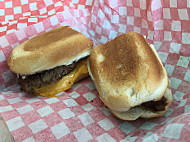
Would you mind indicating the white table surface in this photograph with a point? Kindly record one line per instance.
(5, 135)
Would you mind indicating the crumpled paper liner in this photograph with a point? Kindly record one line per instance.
(78, 114)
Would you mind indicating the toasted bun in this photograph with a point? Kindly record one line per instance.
(127, 72)
(60, 46)
(139, 111)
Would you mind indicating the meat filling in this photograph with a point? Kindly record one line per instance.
(29, 82)
(156, 105)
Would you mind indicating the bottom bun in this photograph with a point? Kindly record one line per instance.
(140, 111)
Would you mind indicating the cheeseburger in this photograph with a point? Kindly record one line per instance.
(51, 62)
(130, 77)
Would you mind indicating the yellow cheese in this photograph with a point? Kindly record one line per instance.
(63, 84)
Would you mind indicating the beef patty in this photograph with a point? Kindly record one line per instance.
(156, 105)
(29, 82)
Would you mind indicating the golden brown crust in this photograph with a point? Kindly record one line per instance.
(127, 72)
(48, 50)
(127, 59)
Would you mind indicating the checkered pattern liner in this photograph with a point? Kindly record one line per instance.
(22, 13)
(78, 114)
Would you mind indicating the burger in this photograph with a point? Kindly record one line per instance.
(130, 77)
(51, 62)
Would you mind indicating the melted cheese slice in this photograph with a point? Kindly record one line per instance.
(63, 84)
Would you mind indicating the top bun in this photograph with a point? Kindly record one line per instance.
(127, 72)
(60, 46)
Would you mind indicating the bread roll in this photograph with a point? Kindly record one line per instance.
(127, 72)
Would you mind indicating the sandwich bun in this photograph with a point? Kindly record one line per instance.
(127, 72)
(60, 46)
(144, 112)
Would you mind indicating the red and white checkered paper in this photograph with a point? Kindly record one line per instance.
(78, 114)
(18, 14)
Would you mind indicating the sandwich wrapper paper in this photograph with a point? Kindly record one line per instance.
(78, 114)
